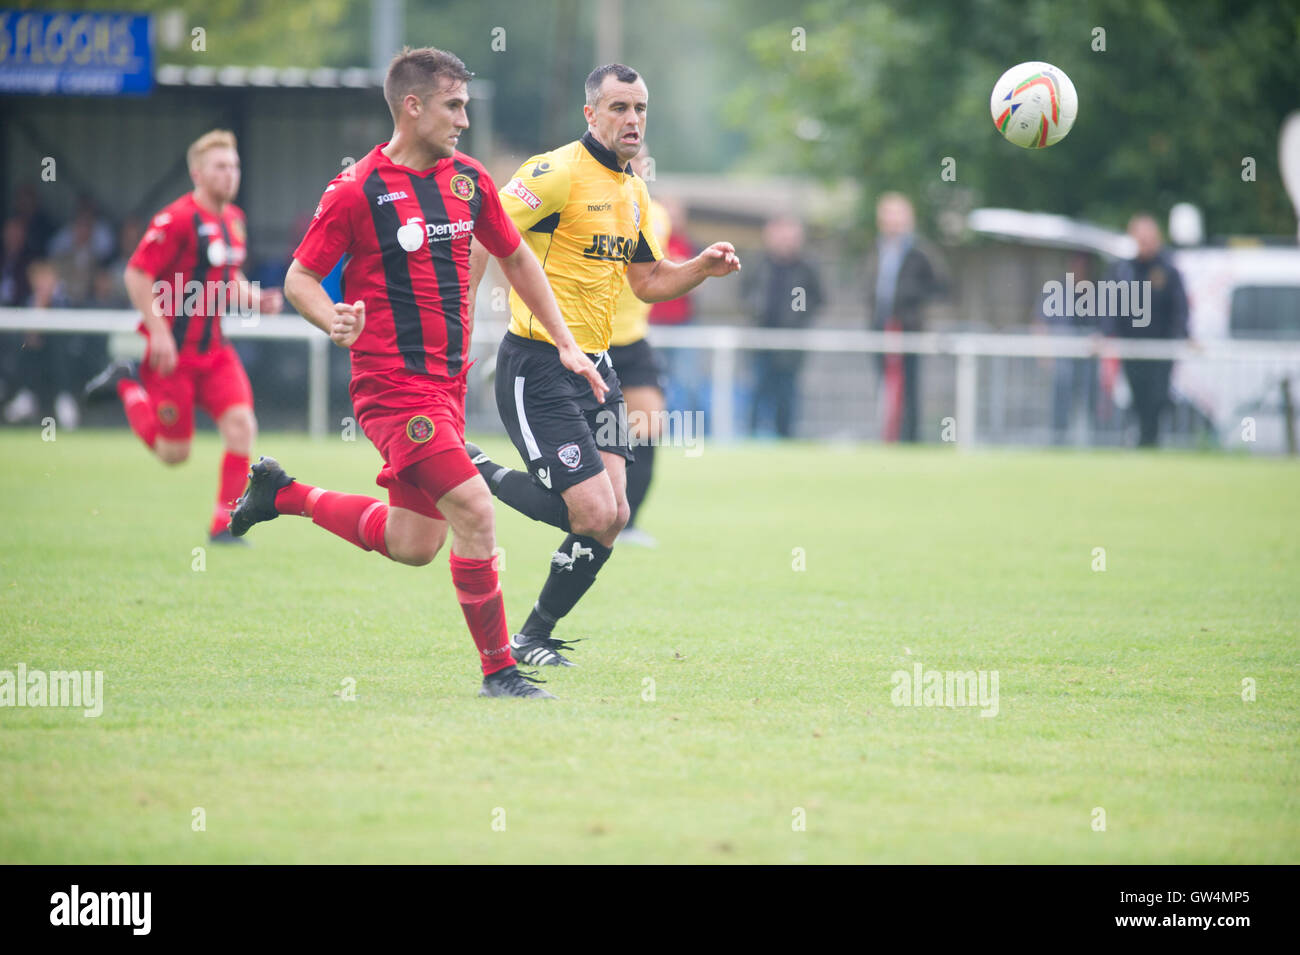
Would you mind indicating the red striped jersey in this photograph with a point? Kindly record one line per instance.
(407, 235)
(193, 254)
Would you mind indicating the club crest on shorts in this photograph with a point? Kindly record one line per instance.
(570, 456)
(419, 429)
(463, 187)
(168, 412)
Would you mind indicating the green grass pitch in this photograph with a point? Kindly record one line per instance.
(1119, 690)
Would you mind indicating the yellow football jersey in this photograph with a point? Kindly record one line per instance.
(631, 315)
(586, 219)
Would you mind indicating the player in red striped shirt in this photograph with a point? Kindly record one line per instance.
(406, 216)
(184, 275)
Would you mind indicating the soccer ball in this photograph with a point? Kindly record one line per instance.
(1034, 105)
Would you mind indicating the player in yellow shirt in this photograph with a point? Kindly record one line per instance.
(586, 216)
(641, 375)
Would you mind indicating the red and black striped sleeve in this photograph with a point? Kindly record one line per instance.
(332, 230)
(164, 244)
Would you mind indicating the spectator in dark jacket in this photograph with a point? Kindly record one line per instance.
(80, 248)
(15, 289)
(903, 274)
(782, 290)
(47, 370)
(1165, 317)
(40, 226)
(14, 259)
(1074, 380)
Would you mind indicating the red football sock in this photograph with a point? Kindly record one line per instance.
(234, 475)
(297, 499)
(139, 411)
(356, 518)
(480, 599)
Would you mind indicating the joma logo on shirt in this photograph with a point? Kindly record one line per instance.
(390, 197)
(610, 248)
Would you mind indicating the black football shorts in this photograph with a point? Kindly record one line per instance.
(551, 415)
(638, 365)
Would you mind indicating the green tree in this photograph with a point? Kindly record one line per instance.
(884, 91)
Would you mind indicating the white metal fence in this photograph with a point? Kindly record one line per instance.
(1259, 362)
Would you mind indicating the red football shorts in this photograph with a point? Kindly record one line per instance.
(418, 424)
(214, 380)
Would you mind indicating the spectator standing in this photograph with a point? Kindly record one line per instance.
(903, 275)
(15, 289)
(45, 365)
(1074, 380)
(79, 249)
(14, 259)
(783, 291)
(1166, 318)
(40, 227)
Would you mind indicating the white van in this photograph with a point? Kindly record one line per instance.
(1235, 292)
(1240, 292)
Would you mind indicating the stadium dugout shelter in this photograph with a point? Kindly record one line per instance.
(296, 129)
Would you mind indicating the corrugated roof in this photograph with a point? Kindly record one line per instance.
(266, 76)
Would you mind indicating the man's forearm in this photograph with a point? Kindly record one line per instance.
(313, 303)
(139, 289)
(250, 293)
(671, 280)
(478, 263)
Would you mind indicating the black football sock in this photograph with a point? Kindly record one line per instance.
(522, 493)
(639, 473)
(487, 467)
(573, 570)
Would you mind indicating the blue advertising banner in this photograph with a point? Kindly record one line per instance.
(75, 54)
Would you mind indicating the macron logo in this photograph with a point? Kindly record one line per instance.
(103, 908)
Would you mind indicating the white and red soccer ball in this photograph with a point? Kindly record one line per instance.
(1034, 105)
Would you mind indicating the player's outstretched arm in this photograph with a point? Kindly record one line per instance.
(343, 323)
(525, 275)
(665, 280)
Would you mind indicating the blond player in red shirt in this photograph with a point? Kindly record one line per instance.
(186, 273)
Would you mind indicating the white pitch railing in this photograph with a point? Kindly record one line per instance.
(724, 342)
(112, 321)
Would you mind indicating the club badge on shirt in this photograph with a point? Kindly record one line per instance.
(463, 187)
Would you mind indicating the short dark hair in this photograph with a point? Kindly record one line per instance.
(418, 72)
(624, 74)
